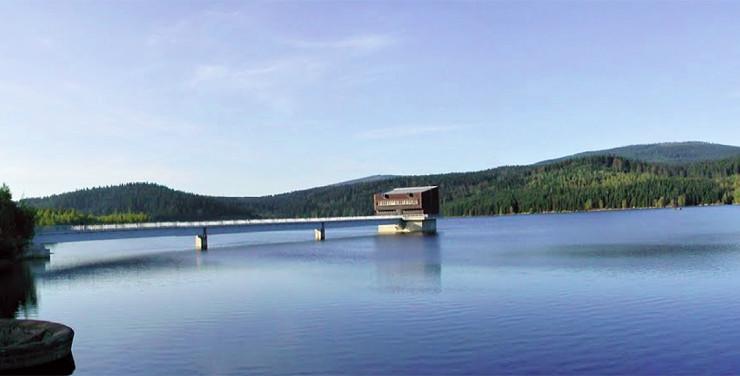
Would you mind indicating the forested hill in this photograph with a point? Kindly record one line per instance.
(584, 183)
(159, 202)
(602, 182)
(667, 152)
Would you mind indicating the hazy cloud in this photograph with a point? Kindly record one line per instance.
(256, 76)
(276, 84)
(200, 23)
(405, 131)
(360, 43)
(280, 82)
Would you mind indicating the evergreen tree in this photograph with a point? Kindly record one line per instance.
(16, 225)
(603, 182)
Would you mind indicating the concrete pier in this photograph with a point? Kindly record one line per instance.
(201, 241)
(320, 233)
(410, 225)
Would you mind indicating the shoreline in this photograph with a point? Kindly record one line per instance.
(590, 211)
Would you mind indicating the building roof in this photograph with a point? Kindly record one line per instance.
(410, 190)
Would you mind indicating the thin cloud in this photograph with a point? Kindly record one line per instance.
(277, 84)
(182, 30)
(283, 79)
(359, 43)
(405, 131)
(257, 76)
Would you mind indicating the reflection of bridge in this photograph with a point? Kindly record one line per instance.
(201, 229)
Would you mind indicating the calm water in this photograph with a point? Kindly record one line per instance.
(654, 291)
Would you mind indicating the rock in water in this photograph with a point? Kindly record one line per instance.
(33, 344)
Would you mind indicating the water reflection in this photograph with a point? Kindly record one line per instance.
(17, 290)
(643, 292)
(408, 263)
(94, 268)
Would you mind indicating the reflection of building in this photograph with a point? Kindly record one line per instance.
(408, 263)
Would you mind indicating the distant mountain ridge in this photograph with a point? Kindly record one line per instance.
(592, 180)
(666, 152)
(366, 179)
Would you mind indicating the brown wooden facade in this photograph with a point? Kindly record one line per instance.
(409, 200)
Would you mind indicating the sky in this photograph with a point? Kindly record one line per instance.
(249, 98)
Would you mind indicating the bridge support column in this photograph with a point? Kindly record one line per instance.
(320, 233)
(409, 226)
(201, 241)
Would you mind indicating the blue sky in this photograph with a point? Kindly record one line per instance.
(252, 98)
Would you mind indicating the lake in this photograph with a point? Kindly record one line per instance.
(629, 292)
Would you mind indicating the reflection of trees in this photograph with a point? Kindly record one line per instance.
(17, 289)
(18, 294)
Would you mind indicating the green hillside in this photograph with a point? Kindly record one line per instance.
(578, 183)
(158, 202)
(667, 152)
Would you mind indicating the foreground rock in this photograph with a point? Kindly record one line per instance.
(32, 345)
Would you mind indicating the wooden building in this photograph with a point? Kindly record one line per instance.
(409, 200)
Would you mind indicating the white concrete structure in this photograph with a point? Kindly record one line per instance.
(410, 224)
(201, 229)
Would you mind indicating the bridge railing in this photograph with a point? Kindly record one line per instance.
(219, 223)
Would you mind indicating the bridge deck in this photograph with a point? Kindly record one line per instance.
(59, 234)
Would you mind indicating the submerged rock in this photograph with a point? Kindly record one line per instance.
(30, 344)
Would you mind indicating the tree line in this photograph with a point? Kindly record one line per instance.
(587, 183)
(56, 217)
(16, 225)
(157, 202)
